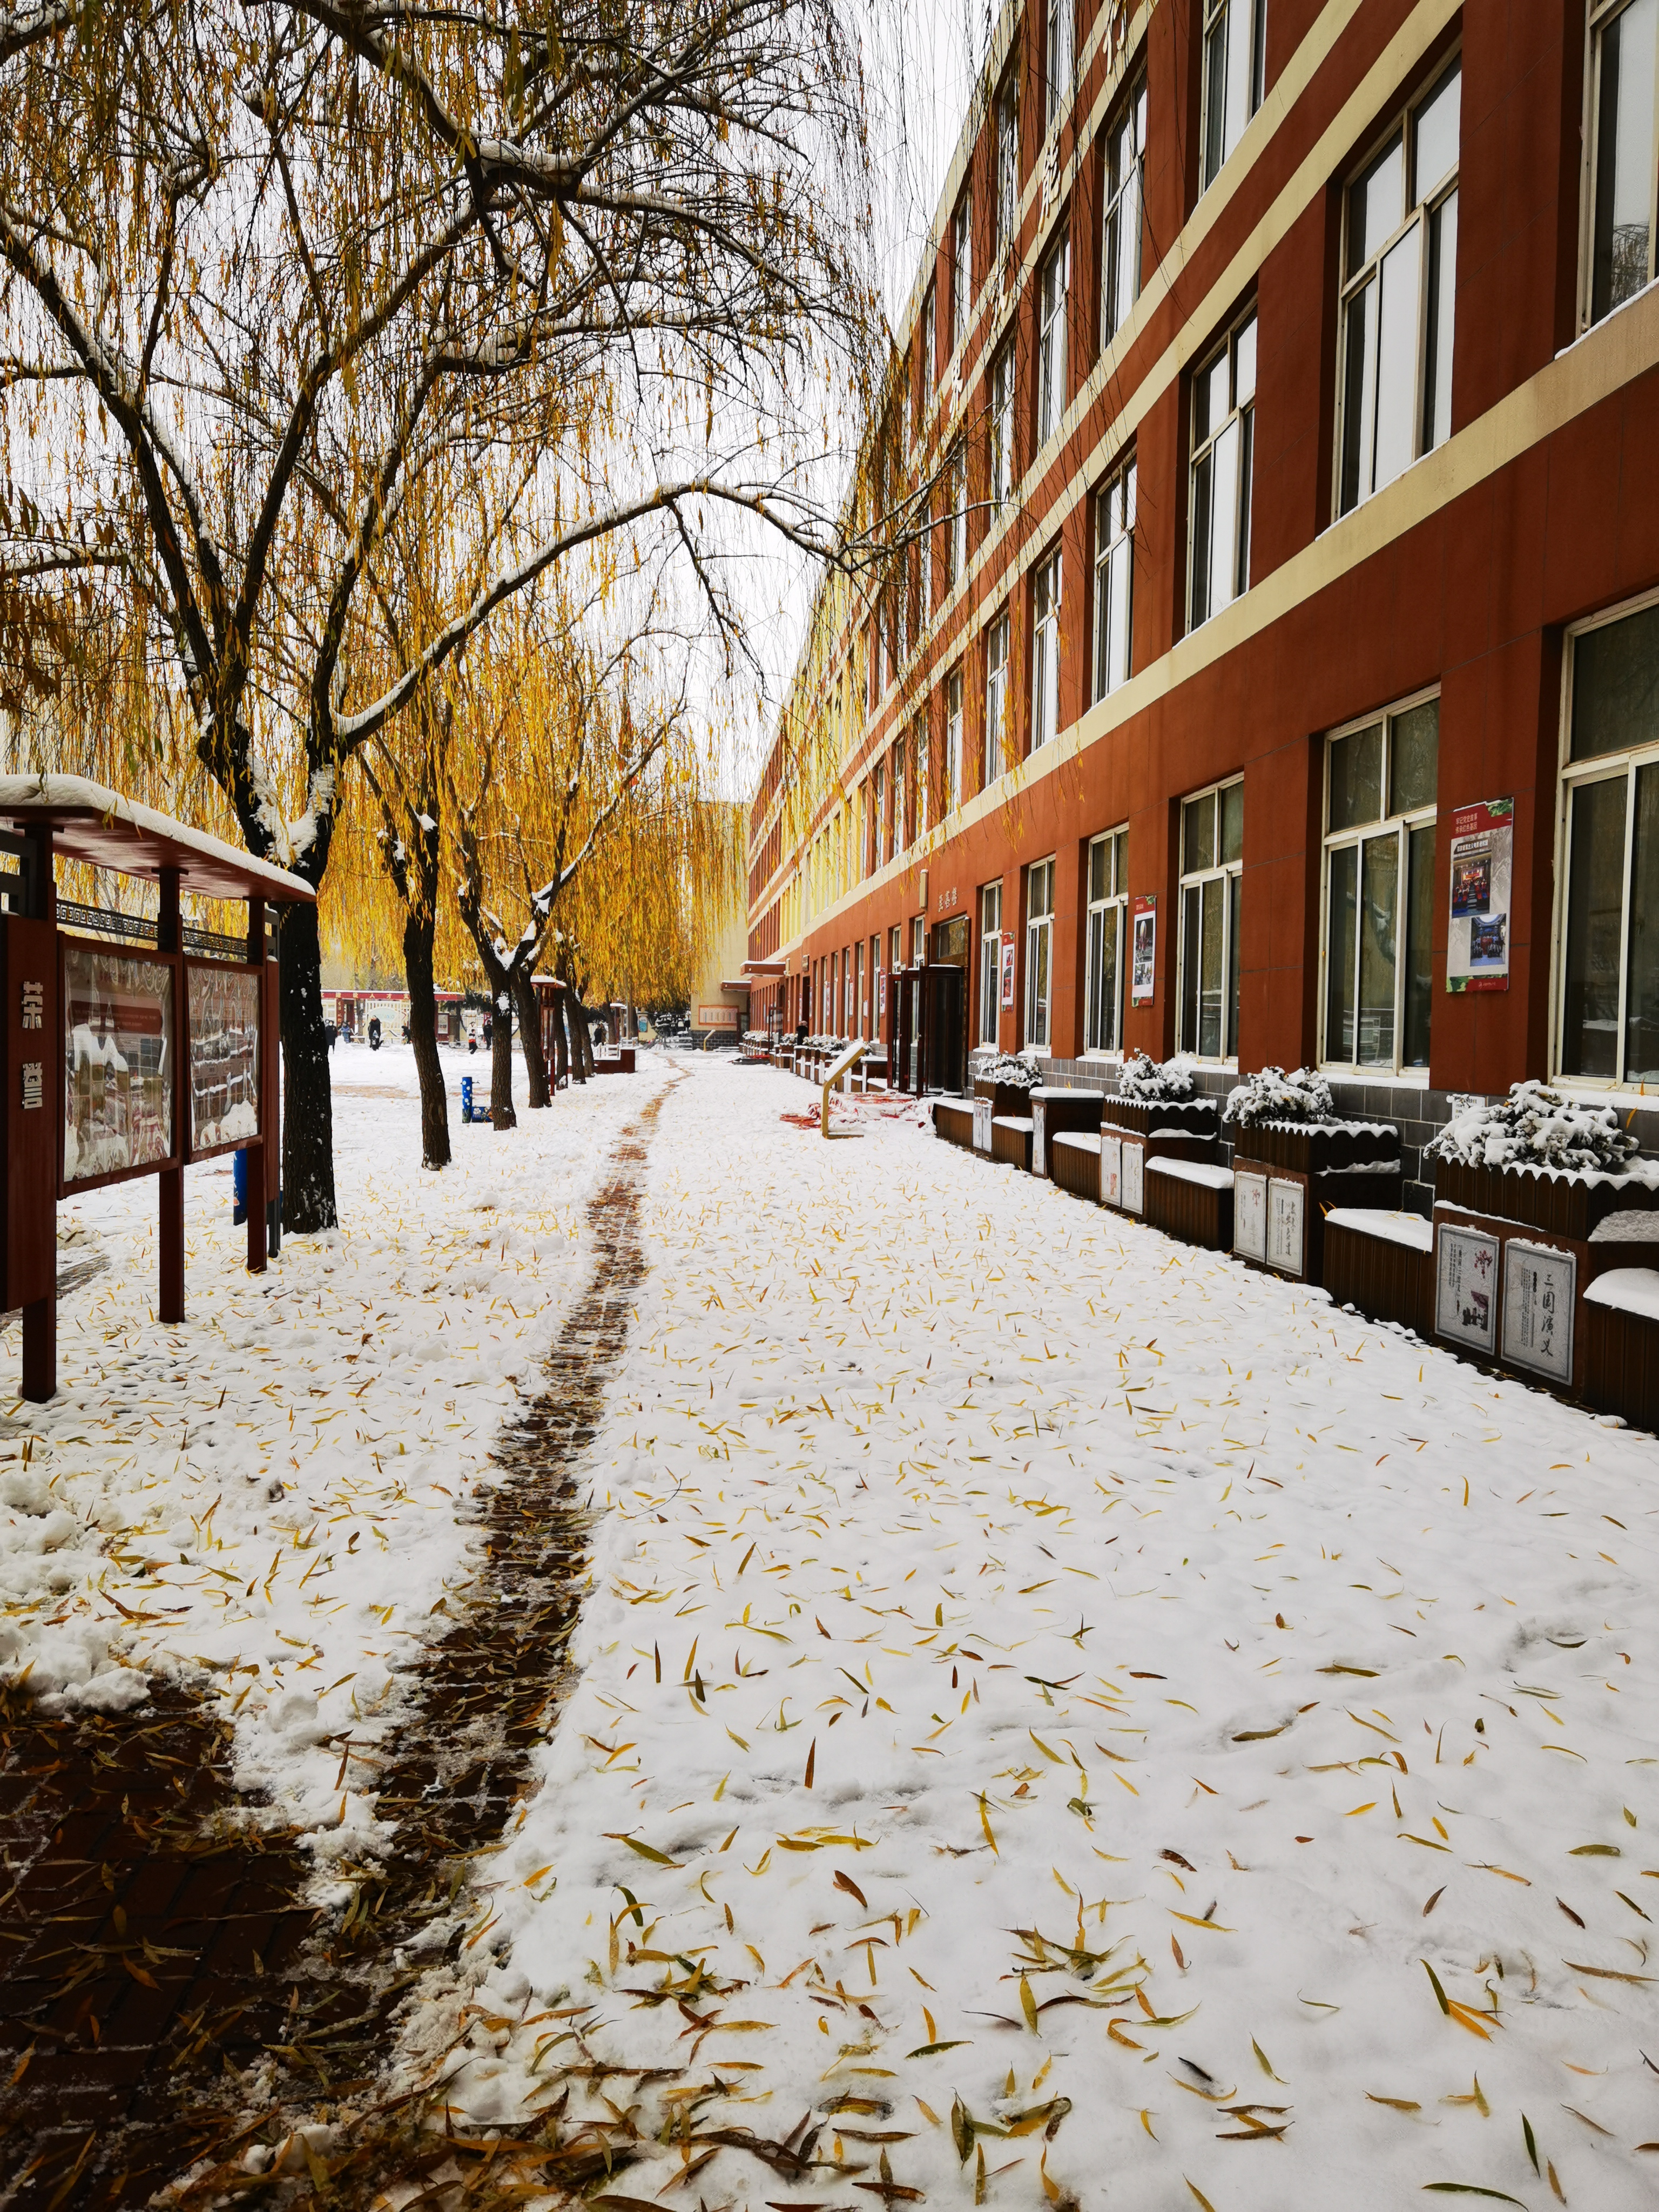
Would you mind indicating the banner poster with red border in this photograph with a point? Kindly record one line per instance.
(1482, 854)
(1143, 948)
(1007, 968)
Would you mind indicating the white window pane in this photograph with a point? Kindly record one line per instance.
(1359, 397)
(1437, 133)
(1240, 70)
(1376, 205)
(1224, 527)
(1245, 364)
(1624, 156)
(1396, 371)
(1118, 638)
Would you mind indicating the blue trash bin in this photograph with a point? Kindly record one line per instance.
(466, 1099)
(239, 1187)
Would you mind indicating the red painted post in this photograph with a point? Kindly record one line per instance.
(171, 1181)
(254, 1182)
(32, 1062)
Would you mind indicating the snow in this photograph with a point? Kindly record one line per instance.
(985, 1729)
(271, 1492)
(1080, 1140)
(1626, 1289)
(987, 1695)
(1202, 1171)
(1377, 1221)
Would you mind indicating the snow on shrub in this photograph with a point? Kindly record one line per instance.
(1270, 1095)
(1144, 1079)
(1536, 1126)
(1018, 1074)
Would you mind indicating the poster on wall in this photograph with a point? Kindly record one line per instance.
(1007, 968)
(1142, 957)
(1478, 938)
(224, 1056)
(118, 1063)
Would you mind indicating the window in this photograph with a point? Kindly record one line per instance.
(990, 960)
(883, 850)
(962, 270)
(1235, 53)
(1212, 853)
(1007, 202)
(1052, 285)
(895, 949)
(996, 697)
(901, 803)
(1400, 257)
(953, 742)
(918, 938)
(929, 341)
(923, 773)
(1045, 651)
(849, 1020)
(1619, 152)
(1039, 952)
(1120, 248)
(1108, 900)
(1224, 422)
(1056, 59)
(955, 522)
(1114, 523)
(1002, 427)
(1380, 782)
(862, 996)
(1609, 1006)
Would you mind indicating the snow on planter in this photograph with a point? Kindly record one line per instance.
(1292, 1160)
(1154, 1082)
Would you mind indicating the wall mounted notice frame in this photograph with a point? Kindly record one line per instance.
(1482, 858)
(224, 1056)
(1249, 1215)
(1466, 1263)
(1539, 1281)
(1143, 958)
(1008, 969)
(1287, 1209)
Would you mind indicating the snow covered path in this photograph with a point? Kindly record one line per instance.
(991, 1774)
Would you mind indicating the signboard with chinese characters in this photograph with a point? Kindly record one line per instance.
(1465, 1288)
(716, 1017)
(1039, 1139)
(1249, 1215)
(1143, 948)
(983, 1108)
(1540, 1282)
(28, 1172)
(1133, 1183)
(118, 1064)
(1111, 1169)
(1287, 1208)
(1478, 935)
(224, 1056)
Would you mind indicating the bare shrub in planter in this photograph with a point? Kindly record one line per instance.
(1536, 1127)
(1154, 1084)
(1271, 1095)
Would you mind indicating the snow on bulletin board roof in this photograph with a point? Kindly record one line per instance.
(91, 823)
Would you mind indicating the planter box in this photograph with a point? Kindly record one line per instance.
(1621, 1345)
(1011, 1140)
(1563, 1203)
(1288, 1175)
(1508, 1291)
(1124, 1155)
(1195, 1118)
(614, 1063)
(1074, 1162)
(1053, 1110)
(1192, 1199)
(1382, 1262)
(1005, 1097)
(953, 1120)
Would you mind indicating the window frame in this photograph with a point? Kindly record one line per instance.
(990, 929)
(1597, 17)
(1352, 283)
(1059, 57)
(1218, 13)
(1572, 776)
(1001, 422)
(1047, 579)
(1113, 313)
(1052, 365)
(955, 691)
(1006, 200)
(1119, 554)
(1110, 911)
(1200, 451)
(962, 270)
(1403, 822)
(1226, 872)
(998, 632)
(1039, 949)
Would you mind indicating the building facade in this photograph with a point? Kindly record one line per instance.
(1276, 676)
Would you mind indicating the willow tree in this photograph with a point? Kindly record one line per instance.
(268, 265)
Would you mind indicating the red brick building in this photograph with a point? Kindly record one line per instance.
(1290, 375)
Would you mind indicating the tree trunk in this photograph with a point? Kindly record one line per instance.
(529, 1009)
(501, 1054)
(560, 1040)
(581, 1036)
(418, 934)
(308, 1097)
